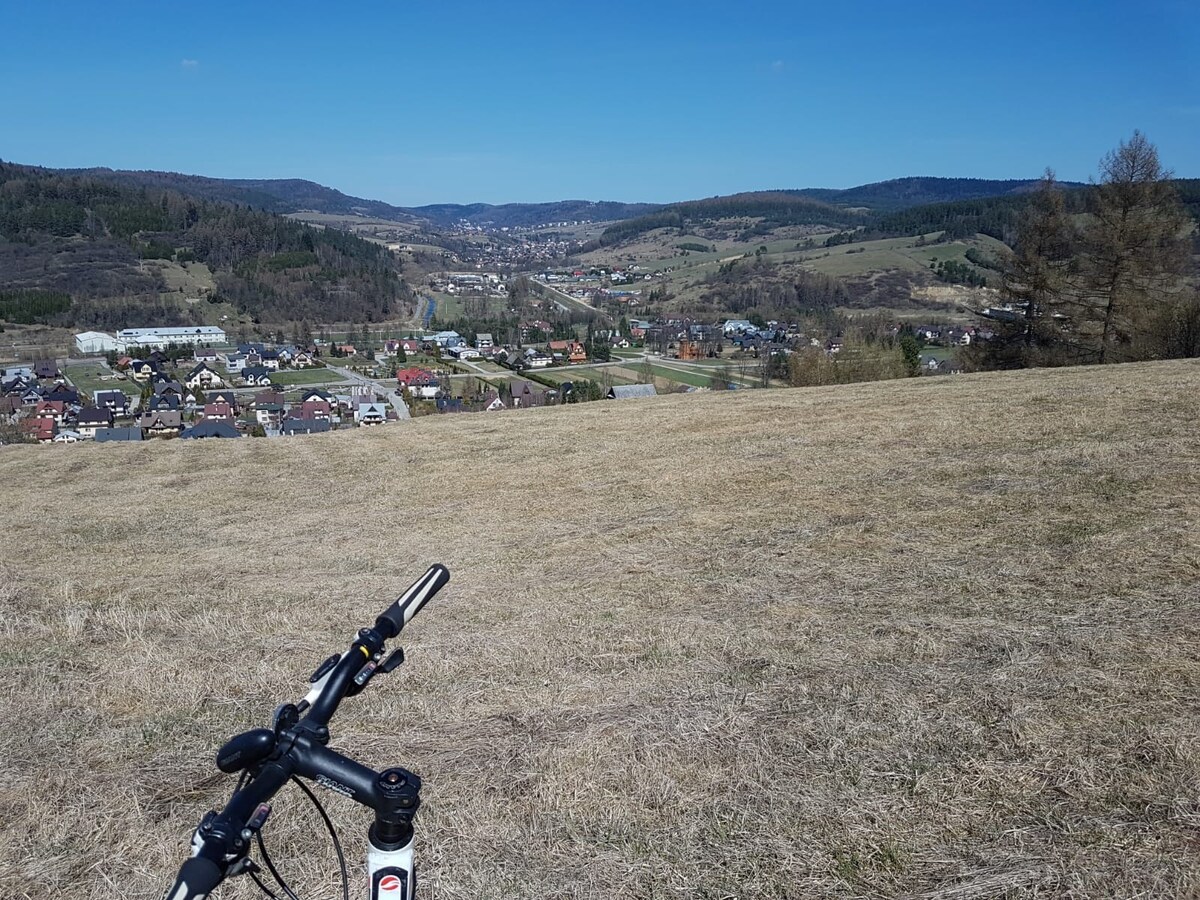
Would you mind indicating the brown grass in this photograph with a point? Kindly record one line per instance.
(927, 639)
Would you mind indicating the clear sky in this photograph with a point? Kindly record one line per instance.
(445, 101)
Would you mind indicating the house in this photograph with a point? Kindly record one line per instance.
(140, 370)
(46, 368)
(270, 360)
(164, 386)
(447, 339)
(346, 349)
(414, 377)
(462, 351)
(41, 429)
(268, 396)
(117, 402)
(164, 402)
(224, 397)
(51, 409)
(219, 412)
(235, 362)
(303, 359)
(256, 375)
(631, 391)
(483, 341)
(409, 345)
(92, 418)
(67, 437)
(118, 434)
(305, 426)
(525, 395)
(62, 393)
(209, 428)
(316, 409)
(370, 414)
(9, 404)
(205, 355)
(203, 377)
(316, 394)
(161, 423)
(573, 351)
(492, 402)
(269, 415)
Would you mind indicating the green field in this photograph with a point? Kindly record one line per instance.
(88, 378)
(306, 376)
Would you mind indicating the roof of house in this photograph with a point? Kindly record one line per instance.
(305, 426)
(162, 418)
(118, 434)
(210, 428)
(118, 397)
(630, 391)
(93, 415)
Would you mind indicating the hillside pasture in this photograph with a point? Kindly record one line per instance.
(932, 638)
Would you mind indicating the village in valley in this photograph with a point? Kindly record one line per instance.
(194, 382)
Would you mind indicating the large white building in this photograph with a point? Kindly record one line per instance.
(148, 338)
(97, 342)
(157, 338)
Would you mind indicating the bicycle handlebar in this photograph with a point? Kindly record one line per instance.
(411, 601)
(197, 879)
(297, 746)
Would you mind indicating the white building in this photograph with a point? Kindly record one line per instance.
(97, 342)
(158, 338)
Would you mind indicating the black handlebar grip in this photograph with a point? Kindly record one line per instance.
(197, 879)
(396, 616)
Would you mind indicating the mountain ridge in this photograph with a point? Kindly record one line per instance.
(295, 195)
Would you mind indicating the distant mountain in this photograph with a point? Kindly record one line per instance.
(277, 195)
(904, 193)
(293, 195)
(528, 215)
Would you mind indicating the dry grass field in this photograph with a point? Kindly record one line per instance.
(928, 639)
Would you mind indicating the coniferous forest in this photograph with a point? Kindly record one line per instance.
(83, 238)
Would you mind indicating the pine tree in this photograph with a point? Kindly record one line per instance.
(1133, 248)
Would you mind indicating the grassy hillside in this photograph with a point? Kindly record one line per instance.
(934, 638)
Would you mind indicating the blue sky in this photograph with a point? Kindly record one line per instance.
(493, 102)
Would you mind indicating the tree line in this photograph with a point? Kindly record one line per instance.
(1114, 282)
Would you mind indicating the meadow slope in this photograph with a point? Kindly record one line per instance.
(931, 638)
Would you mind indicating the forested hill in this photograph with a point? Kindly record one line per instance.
(277, 195)
(526, 215)
(770, 209)
(83, 240)
(291, 195)
(903, 193)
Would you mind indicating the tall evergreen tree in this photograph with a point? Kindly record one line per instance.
(1133, 248)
